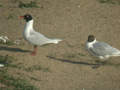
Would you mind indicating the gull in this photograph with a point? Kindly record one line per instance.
(99, 49)
(33, 37)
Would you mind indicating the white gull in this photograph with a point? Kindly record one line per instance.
(33, 37)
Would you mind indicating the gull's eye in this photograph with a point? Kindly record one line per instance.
(27, 16)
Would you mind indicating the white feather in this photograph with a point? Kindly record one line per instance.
(101, 50)
(36, 38)
(1, 65)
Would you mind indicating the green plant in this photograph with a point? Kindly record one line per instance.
(1, 5)
(35, 79)
(36, 67)
(81, 54)
(15, 83)
(46, 69)
(10, 16)
(109, 1)
(9, 43)
(15, 1)
(6, 59)
(69, 55)
(10, 82)
(28, 5)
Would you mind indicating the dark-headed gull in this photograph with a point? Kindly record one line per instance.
(33, 37)
(100, 49)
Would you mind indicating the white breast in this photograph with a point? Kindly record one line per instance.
(90, 44)
(28, 28)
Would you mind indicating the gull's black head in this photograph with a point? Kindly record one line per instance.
(27, 17)
(91, 38)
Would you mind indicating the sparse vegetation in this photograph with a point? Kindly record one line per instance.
(1, 5)
(110, 1)
(10, 81)
(81, 54)
(105, 1)
(31, 4)
(36, 67)
(35, 79)
(107, 63)
(8, 43)
(6, 59)
(15, 1)
(4, 40)
(10, 16)
(73, 55)
(46, 69)
(69, 55)
(15, 83)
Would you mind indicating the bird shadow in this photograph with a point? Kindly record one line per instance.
(93, 65)
(11, 49)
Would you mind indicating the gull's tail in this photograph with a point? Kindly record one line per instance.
(117, 53)
(55, 41)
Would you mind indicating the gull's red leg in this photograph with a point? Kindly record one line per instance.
(34, 50)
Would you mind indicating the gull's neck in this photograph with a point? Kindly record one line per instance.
(90, 44)
(93, 41)
(28, 28)
(29, 24)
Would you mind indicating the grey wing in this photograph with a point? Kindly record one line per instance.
(37, 38)
(102, 49)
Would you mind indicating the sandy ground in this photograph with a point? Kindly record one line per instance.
(69, 64)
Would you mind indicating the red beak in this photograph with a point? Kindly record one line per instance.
(21, 17)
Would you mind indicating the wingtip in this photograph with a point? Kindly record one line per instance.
(57, 41)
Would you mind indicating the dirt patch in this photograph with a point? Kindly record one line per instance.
(67, 65)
